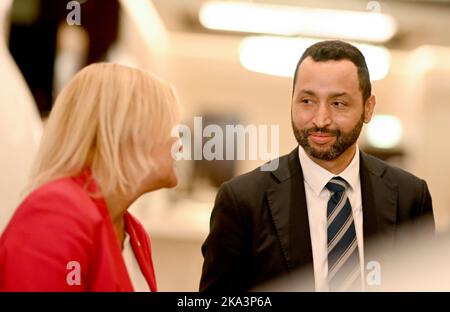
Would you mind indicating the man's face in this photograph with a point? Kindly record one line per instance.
(327, 108)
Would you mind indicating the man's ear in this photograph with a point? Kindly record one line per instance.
(369, 107)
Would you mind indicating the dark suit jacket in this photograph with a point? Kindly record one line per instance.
(259, 225)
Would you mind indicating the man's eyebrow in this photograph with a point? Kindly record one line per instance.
(309, 92)
(332, 95)
(337, 94)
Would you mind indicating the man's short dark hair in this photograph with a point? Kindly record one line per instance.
(336, 50)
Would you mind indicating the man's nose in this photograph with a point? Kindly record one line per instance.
(322, 118)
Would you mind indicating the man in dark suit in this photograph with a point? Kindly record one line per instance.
(325, 198)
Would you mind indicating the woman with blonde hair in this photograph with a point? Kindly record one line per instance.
(107, 142)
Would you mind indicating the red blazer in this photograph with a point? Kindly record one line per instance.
(59, 223)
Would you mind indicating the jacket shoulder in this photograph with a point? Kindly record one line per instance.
(54, 195)
(58, 202)
(259, 179)
(54, 226)
(382, 168)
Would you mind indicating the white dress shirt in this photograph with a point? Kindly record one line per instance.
(134, 271)
(317, 196)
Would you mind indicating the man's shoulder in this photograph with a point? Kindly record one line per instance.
(260, 178)
(394, 173)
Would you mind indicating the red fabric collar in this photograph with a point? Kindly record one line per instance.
(138, 236)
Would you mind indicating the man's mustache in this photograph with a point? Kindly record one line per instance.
(309, 131)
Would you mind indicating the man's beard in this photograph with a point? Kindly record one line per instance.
(343, 140)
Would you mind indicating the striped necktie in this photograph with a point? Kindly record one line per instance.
(344, 272)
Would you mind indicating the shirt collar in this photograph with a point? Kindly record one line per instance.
(317, 177)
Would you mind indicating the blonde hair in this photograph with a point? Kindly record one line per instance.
(108, 119)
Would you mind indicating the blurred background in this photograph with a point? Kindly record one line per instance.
(231, 62)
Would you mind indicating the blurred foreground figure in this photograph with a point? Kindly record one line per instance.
(415, 259)
(107, 142)
(20, 128)
(319, 207)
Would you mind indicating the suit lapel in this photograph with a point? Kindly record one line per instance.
(379, 197)
(287, 205)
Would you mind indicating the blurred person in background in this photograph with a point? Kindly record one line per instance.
(20, 127)
(107, 142)
(325, 199)
(36, 36)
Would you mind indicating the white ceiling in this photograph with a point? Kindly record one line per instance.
(420, 22)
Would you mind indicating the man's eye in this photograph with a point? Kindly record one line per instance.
(306, 101)
(338, 104)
